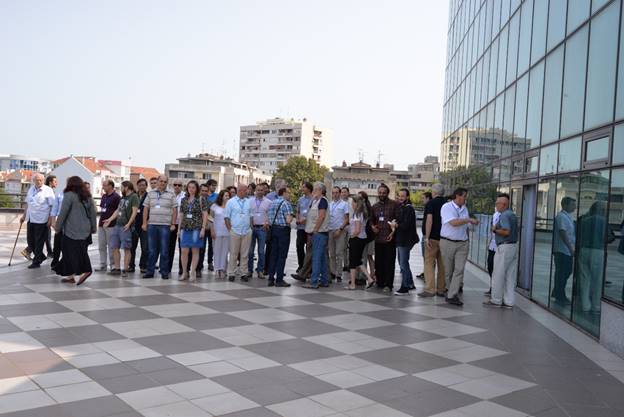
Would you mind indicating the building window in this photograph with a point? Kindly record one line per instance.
(597, 149)
(614, 290)
(570, 155)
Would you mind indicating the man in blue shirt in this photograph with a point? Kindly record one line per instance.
(238, 220)
(505, 260)
(280, 216)
(303, 205)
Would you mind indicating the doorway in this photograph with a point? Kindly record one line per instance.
(527, 237)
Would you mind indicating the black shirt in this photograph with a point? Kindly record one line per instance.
(433, 207)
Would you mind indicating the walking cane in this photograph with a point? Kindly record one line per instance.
(15, 244)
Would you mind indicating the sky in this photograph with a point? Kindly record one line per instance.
(156, 80)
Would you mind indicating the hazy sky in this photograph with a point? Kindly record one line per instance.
(155, 80)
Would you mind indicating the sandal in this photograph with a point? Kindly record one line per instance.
(349, 287)
(83, 278)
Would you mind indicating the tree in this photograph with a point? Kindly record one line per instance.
(297, 170)
(417, 198)
(478, 181)
(6, 201)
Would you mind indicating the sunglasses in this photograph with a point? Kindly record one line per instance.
(177, 185)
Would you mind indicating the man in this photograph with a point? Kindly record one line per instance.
(454, 243)
(251, 190)
(385, 212)
(232, 191)
(212, 197)
(121, 234)
(160, 215)
(338, 222)
(173, 237)
(406, 238)
(108, 206)
(56, 209)
(281, 215)
(303, 204)
(492, 251)
(279, 184)
(344, 195)
(427, 196)
(432, 222)
(505, 261)
(260, 224)
(37, 214)
(238, 220)
(138, 235)
(317, 224)
(153, 182)
(564, 241)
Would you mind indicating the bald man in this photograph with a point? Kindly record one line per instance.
(38, 215)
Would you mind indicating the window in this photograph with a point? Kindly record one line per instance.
(597, 4)
(548, 160)
(493, 69)
(601, 68)
(540, 290)
(502, 60)
(618, 145)
(530, 164)
(507, 136)
(552, 96)
(556, 22)
(597, 149)
(614, 289)
(574, 76)
(512, 49)
(538, 40)
(619, 105)
(534, 111)
(521, 107)
(578, 12)
(524, 45)
(570, 155)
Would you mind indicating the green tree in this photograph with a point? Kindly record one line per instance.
(297, 170)
(6, 201)
(478, 181)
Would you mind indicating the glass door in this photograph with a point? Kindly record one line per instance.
(527, 237)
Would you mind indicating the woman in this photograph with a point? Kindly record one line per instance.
(194, 218)
(219, 233)
(369, 250)
(77, 222)
(357, 241)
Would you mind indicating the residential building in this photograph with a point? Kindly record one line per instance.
(418, 177)
(268, 144)
(137, 173)
(88, 168)
(15, 162)
(547, 77)
(361, 176)
(226, 171)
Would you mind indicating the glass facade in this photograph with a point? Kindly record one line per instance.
(534, 99)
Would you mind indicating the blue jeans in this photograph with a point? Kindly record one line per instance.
(158, 242)
(258, 234)
(407, 281)
(319, 259)
(280, 242)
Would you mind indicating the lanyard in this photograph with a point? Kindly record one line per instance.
(190, 206)
(241, 204)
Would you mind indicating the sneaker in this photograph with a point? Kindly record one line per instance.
(507, 306)
(231, 278)
(130, 270)
(421, 276)
(261, 275)
(425, 294)
(271, 283)
(402, 291)
(146, 275)
(282, 284)
(245, 278)
(386, 289)
(441, 294)
(124, 273)
(489, 303)
(164, 276)
(115, 271)
(455, 301)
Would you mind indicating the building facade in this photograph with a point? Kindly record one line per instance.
(548, 76)
(417, 177)
(225, 171)
(17, 162)
(268, 144)
(361, 176)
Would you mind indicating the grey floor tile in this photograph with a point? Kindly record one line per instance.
(292, 351)
(312, 310)
(174, 289)
(400, 334)
(320, 297)
(109, 371)
(248, 293)
(384, 391)
(226, 306)
(150, 300)
(396, 316)
(591, 411)
(74, 335)
(265, 394)
(210, 321)
(405, 359)
(96, 407)
(304, 327)
(432, 402)
(152, 364)
(49, 411)
(310, 386)
(253, 412)
(171, 344)
(532, 400)
(127, 383)
(73, 295)
(174, 375)
(109, 284)
(8, 327)
(119, 315)
(32, 309)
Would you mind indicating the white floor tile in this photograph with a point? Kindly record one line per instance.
(77, 392)
(17, 342)
(16, 384)
(150, 397)
(225, 403)
(24, 401)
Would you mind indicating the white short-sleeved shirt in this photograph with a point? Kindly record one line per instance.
(495, 218)
(218, 218)
(40, 202)
(357, 219)
(451, 211)
(563, 222)
(337, 211)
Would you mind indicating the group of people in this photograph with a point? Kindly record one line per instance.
(246, 229)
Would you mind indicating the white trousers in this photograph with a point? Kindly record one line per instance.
(504, 274)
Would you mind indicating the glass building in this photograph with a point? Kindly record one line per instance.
(534, 102)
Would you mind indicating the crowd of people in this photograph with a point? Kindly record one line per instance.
(246, 229)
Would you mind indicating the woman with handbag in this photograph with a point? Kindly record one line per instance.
(77, 222)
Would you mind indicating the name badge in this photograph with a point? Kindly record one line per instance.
(381, 218)
(304, 211)
(189, 216)
(157, 206)
(103, 210)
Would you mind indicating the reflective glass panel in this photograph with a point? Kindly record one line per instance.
(578, 12)
(493, 69)
(619, 100)
(597, 4)
(512, 48)
(597, 149)
(570, 155)
(530, 164)
(543, 241)
(564, 244)
(502, 60)
(524, 45)
(614, 286)
(552, 96)
(508, 140)
(591, 234)
(600, 93)
(618, 145)
(520, 109)
(548, 160)
(556, 22)
(574, 76)
(534, 111)
(538, 39)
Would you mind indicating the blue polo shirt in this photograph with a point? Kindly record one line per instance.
(509, 221)
(238, 211)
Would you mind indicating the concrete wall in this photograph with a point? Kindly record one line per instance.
(612, 328)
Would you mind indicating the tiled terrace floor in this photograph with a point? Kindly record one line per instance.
(137, 347)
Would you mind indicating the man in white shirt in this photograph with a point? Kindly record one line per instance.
(338, 221)
(238, 220)
(454, 243)
(38, 213)
(260, 219)
(492, 251)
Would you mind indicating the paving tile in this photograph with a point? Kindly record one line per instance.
(215, 369)
(144, 328)
(152, 364)
(353, 321)
(171, 344)
(224, 403)
(94, 304)
(342, 400)
(181, 409)
(128, 383)
(16, 384)
(24, 400)
(174, 375)
(305, 327)
(55, 379)
(197, 389)
(76, 392)
(303, 407)
(119, 315)
(210, 321)
(179, 310)
(292, 351)
(265, 315)
(73, 295)
(150, 397)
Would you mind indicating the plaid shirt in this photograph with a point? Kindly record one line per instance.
(384, 212)
(284, 210)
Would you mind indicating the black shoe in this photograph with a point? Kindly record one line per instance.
(210, 267)
(441, 294)
(245, 278)
(231, 278)
(402, 291)
(142, 270)
(147, 276)
(34, 266)
(455, 301)
(425, 294)
(164, 276)
(421, 276)
(412, 287)
(282, 284)
(461, 289)
(271, 284)
(115, 271)
(298, 277)
(506, 306)
(130, 270)
(324, 285)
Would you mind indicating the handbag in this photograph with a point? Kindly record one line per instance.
(268, 233)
